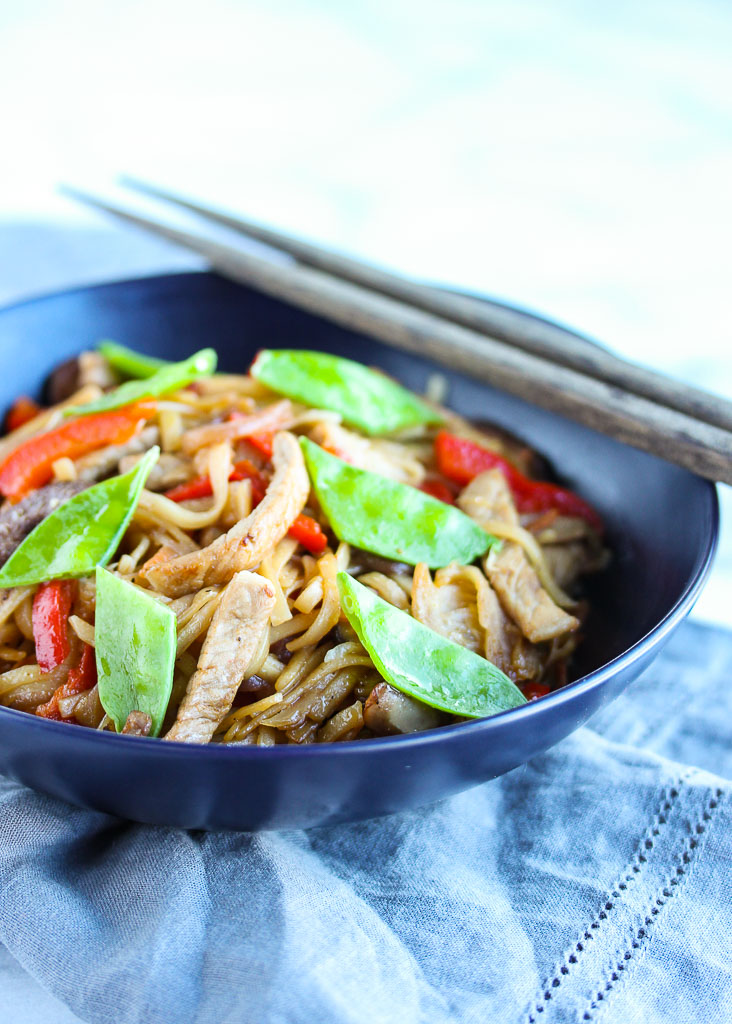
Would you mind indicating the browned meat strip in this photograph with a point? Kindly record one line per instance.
(449, 608)
(138, 724)
(233, 640)
(375, 454)
(105, 462)
(504, 644)
(462, 606)
(388, 711)
(169, 471)
(365, 561)
(75, 373)
(248, 541)
(273, 417)
(521, 594)
(17, 521)
(63, 381)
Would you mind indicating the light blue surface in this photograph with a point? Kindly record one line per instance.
(592, 884)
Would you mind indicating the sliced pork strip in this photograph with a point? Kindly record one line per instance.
(487, 498)
(138, 724)
(249, 540)
(234, 638)
(521, 594)
(94, 369)
(447, 609)
(388, 711)
(63, 381)
(169, 471)
(105, 462)
(524, 598)
(17, 521)
(474, 620)
(377, 455)
(503, 643)
(273, 417)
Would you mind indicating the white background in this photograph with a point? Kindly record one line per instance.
(574, 157)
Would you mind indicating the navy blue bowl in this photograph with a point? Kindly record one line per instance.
(662, 526)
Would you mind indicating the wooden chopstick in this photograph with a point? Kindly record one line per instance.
(519, 329)
(651, 426)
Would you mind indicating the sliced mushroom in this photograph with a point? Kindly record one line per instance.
(388, 711)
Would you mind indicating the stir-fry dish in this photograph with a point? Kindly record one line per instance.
(305, 553)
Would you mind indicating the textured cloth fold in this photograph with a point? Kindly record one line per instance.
(591, 885)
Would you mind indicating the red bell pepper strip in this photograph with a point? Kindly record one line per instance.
(50, 617)
(79, 679)
(84, 676)
(20, 412)
(305, 530)
(262, 443)
(462, 460)
(246, 470)
(532, 691)
(31, 465)
(198, 487)
(438, 490)
(50, 710)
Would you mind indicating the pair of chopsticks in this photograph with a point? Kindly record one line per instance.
(527, 357)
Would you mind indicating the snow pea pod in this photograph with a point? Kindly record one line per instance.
(389, 518)
(135, 639)
(128, 362)
(169, 377)
(422, 663)
(365, 399)
(81, 533)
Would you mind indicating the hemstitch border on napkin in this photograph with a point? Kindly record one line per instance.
(613, 896)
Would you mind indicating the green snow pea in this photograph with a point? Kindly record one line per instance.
(422, 663)
(389, 518)
(135, 639)
(81, 533)
(169, 377)
(365, 399)
(128, 362)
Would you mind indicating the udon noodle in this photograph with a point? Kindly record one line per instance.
(308, 678)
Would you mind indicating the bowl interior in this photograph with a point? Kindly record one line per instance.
(661, 520)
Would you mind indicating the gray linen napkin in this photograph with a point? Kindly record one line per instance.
(591, 885)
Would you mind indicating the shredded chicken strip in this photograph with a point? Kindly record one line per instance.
(249, 540)
(521, 594)
(233, 640)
